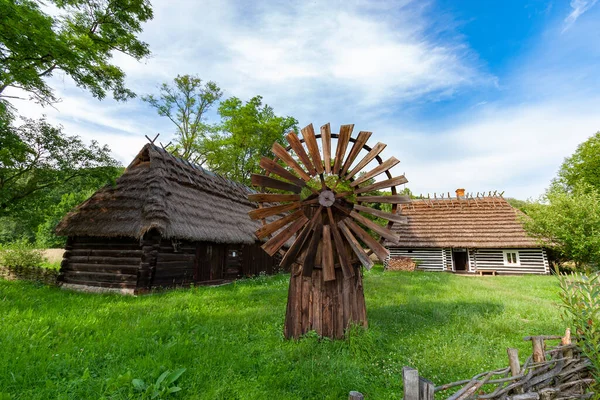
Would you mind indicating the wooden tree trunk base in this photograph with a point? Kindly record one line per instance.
(328, 308)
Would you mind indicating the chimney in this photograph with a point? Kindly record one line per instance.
(460, 193)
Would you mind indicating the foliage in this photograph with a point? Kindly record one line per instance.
(231, 342)
(520, 205)
(163, 387)
(21, 254)
(246, 133)
(79, 40)
(568, 222)
(581, 309)
(583, 167)
(185, 103)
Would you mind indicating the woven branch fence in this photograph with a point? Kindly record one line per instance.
(561, 373)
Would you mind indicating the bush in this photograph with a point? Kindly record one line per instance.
(581, 309)
(21, 254)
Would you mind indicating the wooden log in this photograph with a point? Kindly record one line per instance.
(355, 396)
(410, 378)
(296, 145)
(515, 366)
(375, 227)
(272, 167)
(361, 140)
(265, 212)
(308, 133)
(382, 214)
(399, 180)
(274, 226)
(342, 145)
(277, 241)
(266, 181)
(273, 197)
(284, 156)
(381, 168)
(565, 341)
(326, 141)
(378, 148)
(393, 199)
(538, 349)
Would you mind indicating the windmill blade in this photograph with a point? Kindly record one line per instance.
(277, 241)
(375, 227)
(260, 213)
(378, 148)
(274, 226)
(361, 140)
(282, 153)
(296, 145)
(273, 197)
(267, 181)
(393, 199)
(342, 144)
(311, 251)
(301, 240)
(371, 243)
(308, 133)
(399, 180)
(271, 166)
(326, 141)
(384, 166)
(327, 262)
(347, 269)
(363, 257)
(382, 214)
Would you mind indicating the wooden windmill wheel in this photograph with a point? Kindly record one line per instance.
(320, 216)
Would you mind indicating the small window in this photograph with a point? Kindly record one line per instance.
(511, 257)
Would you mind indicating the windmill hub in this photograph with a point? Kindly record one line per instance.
(326, 198)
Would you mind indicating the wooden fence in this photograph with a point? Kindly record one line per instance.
(561, 373)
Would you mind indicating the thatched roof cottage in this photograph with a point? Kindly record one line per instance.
(467, 234)
(165, 222)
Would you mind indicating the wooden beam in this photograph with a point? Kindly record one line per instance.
(282, 153)
(342, 144)
(277, 241)
(382, 214)
(300, 152)
(371, 243)
(326, 141)
(271, 166)
(274, 226)
(267, 181)
(260, 213)
(375, 227)
(361, 140)
(399, 180)
(339, 245)
(273, 197)
(378, 148)
(393, 199)
(384, 166)
(364, 259)
(308, 133)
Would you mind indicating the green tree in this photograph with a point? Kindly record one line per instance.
(185, 103)
(79, 41)
(247, 132)
(582, 167)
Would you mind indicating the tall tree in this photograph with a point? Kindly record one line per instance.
(80, 41)
(581, 167)
(185, 103)
(247, 132)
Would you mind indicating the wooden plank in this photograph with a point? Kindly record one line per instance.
(316, 291)
(339, 245)
(273, 197)
(296, 145)
(267, 181)
(342, 144)
(284, 156)
(296, 247)
(311, 251)
(381, 168)
(308, 133)
(393, 199)
(327, 262)
(410, 378)
(271, 166)
(356, 247)
(426, 389)
(403, 219)
(399, 180)
(326, 141)
(378, 148)
(375, 227)
(371, 243)
(277, 241)
(265, 212)
(361, 140)
(274, 226)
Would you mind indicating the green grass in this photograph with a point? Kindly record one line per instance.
(56, 344)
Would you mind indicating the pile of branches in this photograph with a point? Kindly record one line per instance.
(564, 374)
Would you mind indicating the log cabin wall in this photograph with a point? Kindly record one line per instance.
(101, 262)
(255, 260)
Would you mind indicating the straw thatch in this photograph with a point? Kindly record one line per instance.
(484, 222)
(162, 192)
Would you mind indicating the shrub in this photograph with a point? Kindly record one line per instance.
(581, 309)
(21, 254)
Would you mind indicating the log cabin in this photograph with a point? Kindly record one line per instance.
(164, 223)
(466, 234)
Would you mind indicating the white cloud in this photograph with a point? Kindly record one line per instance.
(579, 7)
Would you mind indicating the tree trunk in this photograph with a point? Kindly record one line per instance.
(328, 308)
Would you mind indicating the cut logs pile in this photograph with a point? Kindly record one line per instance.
(401, 264)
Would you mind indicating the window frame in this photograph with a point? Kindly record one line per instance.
(505, 254)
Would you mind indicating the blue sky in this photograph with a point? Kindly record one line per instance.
(485, 95)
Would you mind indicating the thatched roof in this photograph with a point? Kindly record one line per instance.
(160, 191)
(473, 223)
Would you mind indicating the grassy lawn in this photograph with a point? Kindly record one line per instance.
(56, 344)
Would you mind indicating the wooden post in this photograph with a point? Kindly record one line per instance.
(410, 377)
(538, 349)
(355, 396)
(426, 389)
(565, 341)
(515, 365)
